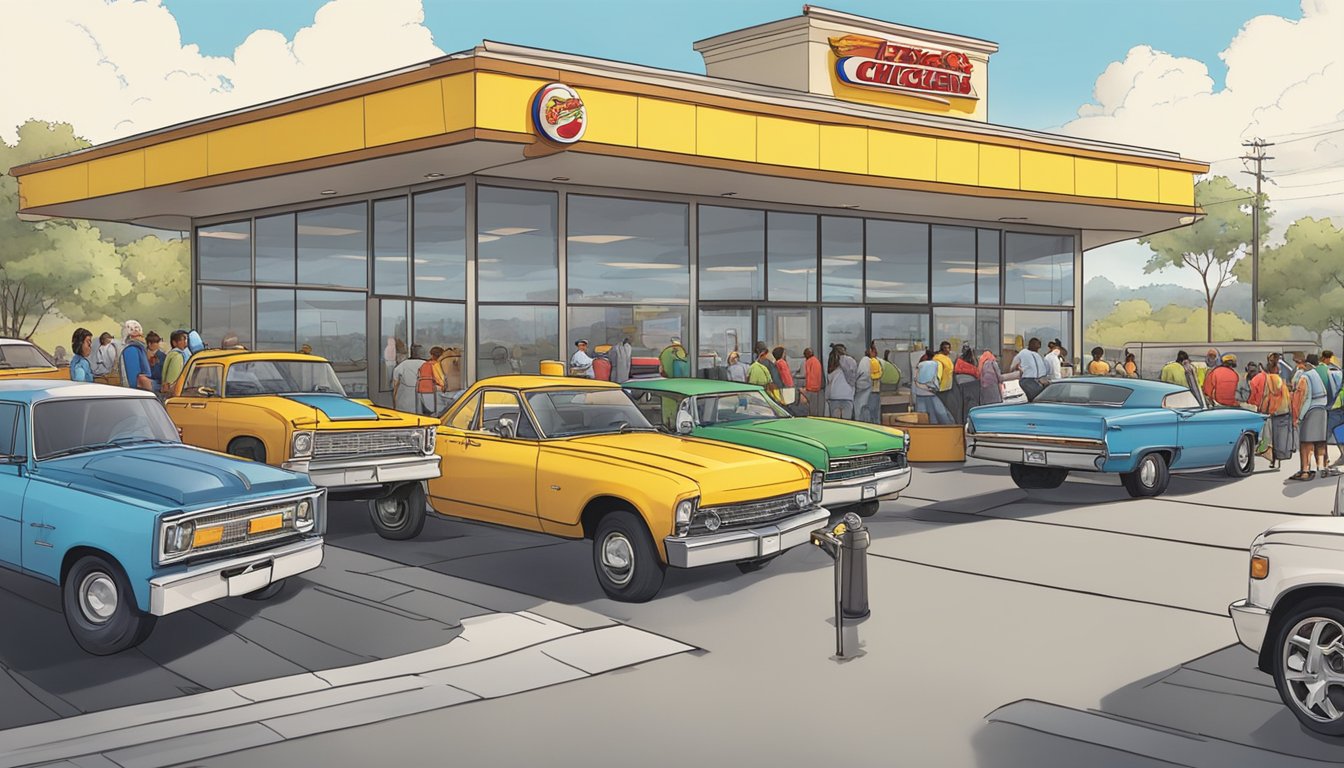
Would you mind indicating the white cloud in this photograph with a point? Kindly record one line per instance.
(114, 68)
(1285, 83)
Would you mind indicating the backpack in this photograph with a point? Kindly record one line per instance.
(890, 373)
(424, 380)
(194, 342)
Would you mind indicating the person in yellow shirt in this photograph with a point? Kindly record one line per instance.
(944, 359)
(1098, 367)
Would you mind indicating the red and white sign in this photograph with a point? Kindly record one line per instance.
(876, 63)
(558, 113)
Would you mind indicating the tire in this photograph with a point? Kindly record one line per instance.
(1031, 478)
(752, 566)
(625, 558)
(865, 509)
(248, 448)
(268, 591)
(1290, 658)
(399, 515)
(1149, 478)
(100, 607)
(1242, 461)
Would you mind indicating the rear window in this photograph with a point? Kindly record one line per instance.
(23, 356)
(1084, 393)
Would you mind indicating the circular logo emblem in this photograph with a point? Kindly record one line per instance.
(558, 113)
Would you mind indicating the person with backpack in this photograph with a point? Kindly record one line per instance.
(763, 372)
(429, 382)
(175, 362)
(673, 362)
(1275, 401)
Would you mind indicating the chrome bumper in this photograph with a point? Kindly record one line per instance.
(232, 578)
(1252, 622)
(1066, 457)
(855, 490)
(748, 544)
(346, 473)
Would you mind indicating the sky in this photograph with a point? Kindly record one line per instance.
(1195, 76)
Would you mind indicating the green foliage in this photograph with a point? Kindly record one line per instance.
(67, 267)
(1135, 320)
(1302, 280)
(1213, 245)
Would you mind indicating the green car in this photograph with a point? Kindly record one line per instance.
(864, 463)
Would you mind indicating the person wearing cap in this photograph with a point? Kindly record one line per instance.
(1220, 383)
(1211, 363)
(581, 363)
(135, 367)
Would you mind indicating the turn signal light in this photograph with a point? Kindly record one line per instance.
(206, 536)
(1259, 567)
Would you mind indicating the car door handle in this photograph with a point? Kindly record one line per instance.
(469, 442)
(197, 405)
(43, 526)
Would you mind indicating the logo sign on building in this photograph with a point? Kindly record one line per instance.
(558, 113)
(872, 62)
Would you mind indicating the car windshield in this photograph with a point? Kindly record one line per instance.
(64, 427)
(571, 412)
(280, 377)
(22, 356)
(736, 406)
(1083, 393)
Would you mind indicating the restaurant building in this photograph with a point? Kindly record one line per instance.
(832, 178)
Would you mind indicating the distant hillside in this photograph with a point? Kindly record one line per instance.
(1100, 296)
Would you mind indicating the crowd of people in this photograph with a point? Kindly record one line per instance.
(423, 384)
(137, 359)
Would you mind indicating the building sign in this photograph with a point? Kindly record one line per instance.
(558, 113)
(872, 62)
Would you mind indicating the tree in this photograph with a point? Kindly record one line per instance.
(1212, 245)
(1135, 320)
(1302, 280)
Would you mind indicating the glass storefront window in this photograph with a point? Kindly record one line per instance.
(440, 245)
(226, 316)
(275, 319)
(333, 246)
(627, 250)
(791, 255)
(1038, 269)
(393, 327)
(650, 328)
(898, 261)
(902, 338)
(722, 331)
(275, 249)
(1021, 325)
(986, 331)
(516, 339)
(841, 259)
(332, 323)
(842, 325)
(391, 266)
(987, 259)
(793, 328)
(954, 325)
(731, 254)
(439, 324)
(224, 251)
(516, 251)
(954, 264)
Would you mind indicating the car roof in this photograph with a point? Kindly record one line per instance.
(1144, 386)
(37, 390)
(525, 382)
(244, 355)
(691, 386)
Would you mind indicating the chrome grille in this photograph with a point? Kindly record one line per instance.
(366, 442)
(235, 523)
(863, 466)
(752, 513)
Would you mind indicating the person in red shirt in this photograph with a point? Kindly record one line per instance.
(812, 378)
(1220, 384)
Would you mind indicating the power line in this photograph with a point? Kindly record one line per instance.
(1257, 156)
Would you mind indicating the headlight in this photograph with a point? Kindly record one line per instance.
(177, 537)
(685, 511)
(305, 511)
(430, 432)
(302, 445)
(418, 441)
(818, 480)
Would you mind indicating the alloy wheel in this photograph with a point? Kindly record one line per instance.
(98, 597)
(1313, 668)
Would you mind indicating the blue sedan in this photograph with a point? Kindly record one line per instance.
(99, 496)
(1143, 430)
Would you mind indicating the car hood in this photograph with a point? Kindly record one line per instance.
(170, 476)
(726, 474)
(838, 438)
(1046, 419)
(329, 411)
(1325, 532)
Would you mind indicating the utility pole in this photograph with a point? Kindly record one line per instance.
(1257, 156)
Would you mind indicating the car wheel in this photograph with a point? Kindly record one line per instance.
(1149, 478)
(1242, 461)
(1309, 665)
(1030, 478)
(625, 558)
(248, 448)
(399, 515)
(752, 566)
(268, 591)
(866, 509)
(100, 607)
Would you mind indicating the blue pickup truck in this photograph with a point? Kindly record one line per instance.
(99, 496)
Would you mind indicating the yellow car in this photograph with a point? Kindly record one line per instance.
(21, 359)
(289, 410)
(575, 458)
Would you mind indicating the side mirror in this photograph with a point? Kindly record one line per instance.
(205, 391)
(684, 423)
(504, 427)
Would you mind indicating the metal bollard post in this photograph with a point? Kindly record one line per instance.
(847, 543)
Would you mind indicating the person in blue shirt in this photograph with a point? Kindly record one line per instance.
(156, 357)
(927, 376)
(136, 371)
(80, 367)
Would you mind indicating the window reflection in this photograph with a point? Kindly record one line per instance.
(225, 251)
(333, 246)
(438, 324)
(1038, 269)
(650, 328)
(515, 339)
(275, 249)
(1021, 325)
(627, 250)
(897, 261)
(954, 325)
(516, 251)
(390, 264)
(841, 259)
(790, 327)
(987, 266)
(791, 255)
(723, 331)
(393, 325)
(226, 316)
(732, 253)
(332, 323)
(440, 264)
(901, 336)
(275, 319)
(954, 265)
(842, 325)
